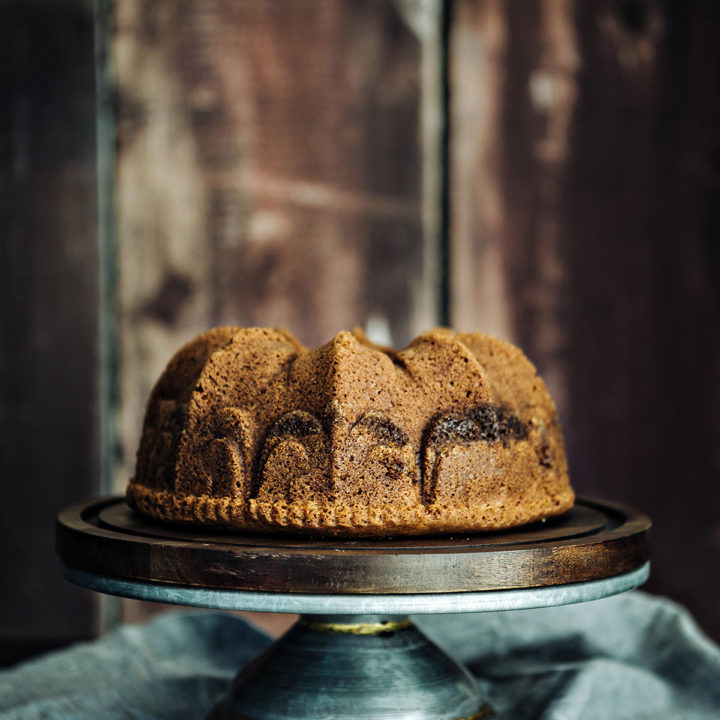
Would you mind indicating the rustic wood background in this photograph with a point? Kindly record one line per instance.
(548, 172)
(48, 313)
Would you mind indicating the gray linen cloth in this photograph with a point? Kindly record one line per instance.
(632, 656)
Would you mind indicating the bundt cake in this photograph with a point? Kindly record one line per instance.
(248, 429)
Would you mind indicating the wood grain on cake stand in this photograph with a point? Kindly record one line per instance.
(593, 540)
(354, 653)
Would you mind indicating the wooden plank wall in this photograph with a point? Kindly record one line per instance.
(48, 312)
(286, 164)
(584, 225)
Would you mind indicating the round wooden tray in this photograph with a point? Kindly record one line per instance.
(593, 541)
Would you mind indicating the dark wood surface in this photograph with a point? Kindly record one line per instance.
(592, 541)
(48, 311)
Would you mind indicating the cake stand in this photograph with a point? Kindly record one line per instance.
(354, 653)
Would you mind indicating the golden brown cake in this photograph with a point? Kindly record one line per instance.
(248, 429)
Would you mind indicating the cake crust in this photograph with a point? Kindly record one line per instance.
(247, 429)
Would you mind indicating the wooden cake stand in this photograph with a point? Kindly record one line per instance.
(354, 653)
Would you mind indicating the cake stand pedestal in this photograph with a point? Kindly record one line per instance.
(354, 653)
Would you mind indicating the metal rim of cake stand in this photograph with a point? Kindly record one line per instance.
(359, 604)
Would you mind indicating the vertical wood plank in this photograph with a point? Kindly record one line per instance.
(478, 296)
(584, 228)
(48, 267)
(274, 162)
(658, 424)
